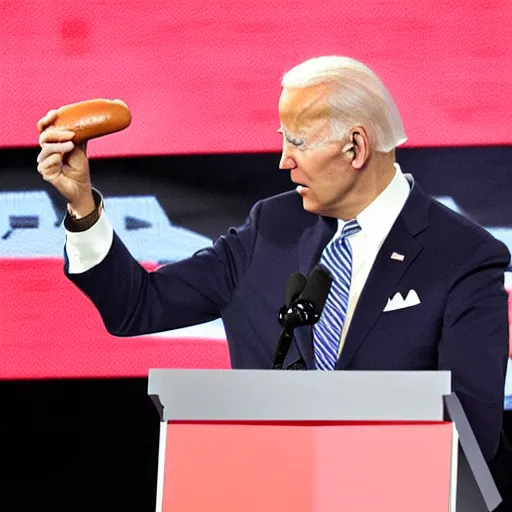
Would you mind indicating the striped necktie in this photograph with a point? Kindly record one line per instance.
(337, 257)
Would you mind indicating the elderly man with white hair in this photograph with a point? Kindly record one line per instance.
(415, 285)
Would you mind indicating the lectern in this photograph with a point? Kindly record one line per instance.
(310, 441)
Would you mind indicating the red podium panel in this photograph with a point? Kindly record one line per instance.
(306, 467)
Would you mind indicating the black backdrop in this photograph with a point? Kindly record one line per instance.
(91, 444)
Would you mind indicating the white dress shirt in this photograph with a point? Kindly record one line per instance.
(88, 248)
(376, 221)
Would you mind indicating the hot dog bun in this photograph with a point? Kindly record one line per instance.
(93, 118)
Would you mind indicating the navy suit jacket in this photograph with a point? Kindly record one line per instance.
(455, 267)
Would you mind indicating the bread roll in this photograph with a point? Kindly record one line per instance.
(93, 118)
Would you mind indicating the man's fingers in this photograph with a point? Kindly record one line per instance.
(46, 120)
(55, 135)
(52, 148)
(51, 166)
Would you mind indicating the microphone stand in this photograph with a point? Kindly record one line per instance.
(283, 345)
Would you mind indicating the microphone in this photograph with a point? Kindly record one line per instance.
(307, 308)
(304, 310)
(296, 283)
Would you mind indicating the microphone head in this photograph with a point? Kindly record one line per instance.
(317, 288)
(296, 283)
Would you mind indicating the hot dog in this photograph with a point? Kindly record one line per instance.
(93, 118)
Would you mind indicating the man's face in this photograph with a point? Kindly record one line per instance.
(316, 162)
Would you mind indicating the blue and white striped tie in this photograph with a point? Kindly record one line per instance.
(337, 257)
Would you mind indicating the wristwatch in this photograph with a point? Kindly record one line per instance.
(71, 223)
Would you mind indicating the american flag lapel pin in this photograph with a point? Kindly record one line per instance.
(398, 257)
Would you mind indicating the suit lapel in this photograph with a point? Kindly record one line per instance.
(381, 283)
(386, 272)
(311, 244)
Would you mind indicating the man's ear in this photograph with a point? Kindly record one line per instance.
(359, 147)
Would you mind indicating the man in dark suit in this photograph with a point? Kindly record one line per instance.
(416, 286)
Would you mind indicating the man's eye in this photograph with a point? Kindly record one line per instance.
(295, 142)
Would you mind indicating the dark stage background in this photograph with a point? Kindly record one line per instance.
(91, 444)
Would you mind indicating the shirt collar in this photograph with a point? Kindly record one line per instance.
(379, 216)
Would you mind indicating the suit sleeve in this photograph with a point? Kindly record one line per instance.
(474, 343)
(133, 301)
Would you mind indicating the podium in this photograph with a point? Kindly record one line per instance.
(311, 441)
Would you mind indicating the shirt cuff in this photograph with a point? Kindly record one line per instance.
(86, 249)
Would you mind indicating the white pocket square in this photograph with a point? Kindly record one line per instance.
(398, 302)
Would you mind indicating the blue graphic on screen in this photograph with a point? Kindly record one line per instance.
(30, 228)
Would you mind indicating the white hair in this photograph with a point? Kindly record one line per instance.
(358, 98)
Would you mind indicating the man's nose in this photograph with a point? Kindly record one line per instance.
(286, 162)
